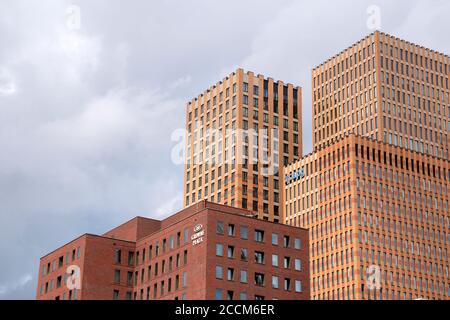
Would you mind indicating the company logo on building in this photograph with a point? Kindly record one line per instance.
(198, 235)
(293, 176)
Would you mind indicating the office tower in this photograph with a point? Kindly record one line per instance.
(240, 133)
(368, 204)
(374, 193)
(385, 88)
(207, 251)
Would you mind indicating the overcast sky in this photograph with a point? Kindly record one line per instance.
(87, 109)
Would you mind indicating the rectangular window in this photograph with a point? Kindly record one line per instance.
(259, 257)
(244, 254)
(274, 239)
(298, 286)
(230, 274)
(118, 256)
(219, 227)
(286, 241)
(186, 235)
(274, 260)
(130, 258)
(274, 282)
(286, 262)
(287, 284)
(219, 272)
(230, 251)
(184, 280)
(218, 294)
(244, 233)
(117, 276)
(231, 230)
(298, 264)
(259, 235)
(219, 249)
(129, 278)
(259, 279)
(243, 276)
(297, 244)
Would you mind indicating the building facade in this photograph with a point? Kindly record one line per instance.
(240, 133)
(374, 193)
(387, 89)
(378, 217)
(236, 257)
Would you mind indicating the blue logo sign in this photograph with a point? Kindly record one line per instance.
(298, 174)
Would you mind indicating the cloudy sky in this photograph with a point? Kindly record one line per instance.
(88, 105)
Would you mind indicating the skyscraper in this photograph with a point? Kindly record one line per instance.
(240, 133)
(378, 217)
(385, 88)
(374, 193)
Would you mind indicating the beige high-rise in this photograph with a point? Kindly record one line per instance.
(240, 133)
(375, 191)
(385, 88)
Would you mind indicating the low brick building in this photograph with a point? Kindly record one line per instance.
(207, 251)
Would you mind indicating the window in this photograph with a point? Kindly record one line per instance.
(259, 235)
(184, 280)
(116, 295)
(274, 282)
(243, 276)
(275, 260)
(298, 286)
(118, 256)
(130, 258)
(219, 272)
(218, 294)
(287, 284)
(243, 296)
(219, 227)
(230, 295)
(244, 233)
(244, 254)
(172, 242)
(230, 251)
(286, 241)
(219, 249)
(298, 264)
(186, 235)
(297, 243)
(117, 276)
(259, 279)
(274, 239)
(259, 257)
(231, 230)
(286, 262)
(230, 274)
(129, 278)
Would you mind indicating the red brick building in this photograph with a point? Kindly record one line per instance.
(235, 256)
